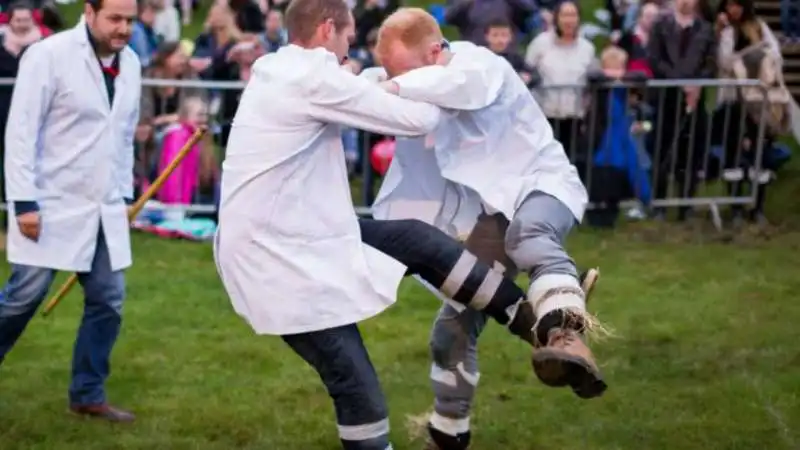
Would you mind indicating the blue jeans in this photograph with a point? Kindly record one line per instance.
(104, 291)
(342, 362)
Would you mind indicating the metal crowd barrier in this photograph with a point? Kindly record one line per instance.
(632, 143)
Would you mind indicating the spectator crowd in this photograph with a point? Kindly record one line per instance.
(628, 140)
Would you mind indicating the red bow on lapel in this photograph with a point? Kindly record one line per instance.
(111, 71)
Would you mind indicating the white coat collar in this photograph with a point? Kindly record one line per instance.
(80, 35)
(293, 49)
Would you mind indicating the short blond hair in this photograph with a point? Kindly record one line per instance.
(613, 55)
(410, 27)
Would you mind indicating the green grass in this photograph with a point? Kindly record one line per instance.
(706, 356)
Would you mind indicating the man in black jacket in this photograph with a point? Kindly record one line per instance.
(682, 46)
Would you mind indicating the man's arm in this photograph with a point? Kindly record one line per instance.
(469, 82)
(344, 98)
(127, 158)
(30, 102)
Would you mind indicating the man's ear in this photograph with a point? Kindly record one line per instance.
(435, 51)
(328, 29)
(436, 48)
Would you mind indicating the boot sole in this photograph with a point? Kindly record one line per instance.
(556, 370)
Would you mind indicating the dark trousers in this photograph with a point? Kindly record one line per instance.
(423, 248)
(338, 354)
(342, 362)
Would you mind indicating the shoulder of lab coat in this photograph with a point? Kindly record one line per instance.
(374, 74)
(471, 80)
(337, 96)
(30, 101)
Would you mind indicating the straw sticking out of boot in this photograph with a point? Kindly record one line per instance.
(587, 324)
(582, 321)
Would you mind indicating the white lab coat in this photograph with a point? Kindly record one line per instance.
(414, 187)
(495, 144)
(288, 247)
(71, 152)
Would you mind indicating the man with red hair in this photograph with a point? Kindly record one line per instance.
(506, 181)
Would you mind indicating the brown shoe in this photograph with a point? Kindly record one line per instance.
(102, 411)
(567, 361)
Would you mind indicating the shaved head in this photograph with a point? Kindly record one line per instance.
(408, 39)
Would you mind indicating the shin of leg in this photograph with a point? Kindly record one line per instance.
(342, 362)
(104, 293)
(24, 292)
(454, 371)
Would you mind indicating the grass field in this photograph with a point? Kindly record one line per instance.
(706, 356)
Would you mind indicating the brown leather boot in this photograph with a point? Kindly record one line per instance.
(565, 360)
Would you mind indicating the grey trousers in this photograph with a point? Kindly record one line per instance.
(532, 242)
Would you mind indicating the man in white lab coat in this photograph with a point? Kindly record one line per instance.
(505, 180)
(69, 174)
(289, 248)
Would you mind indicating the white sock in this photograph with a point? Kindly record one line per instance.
(446, 425)
(550, 292)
